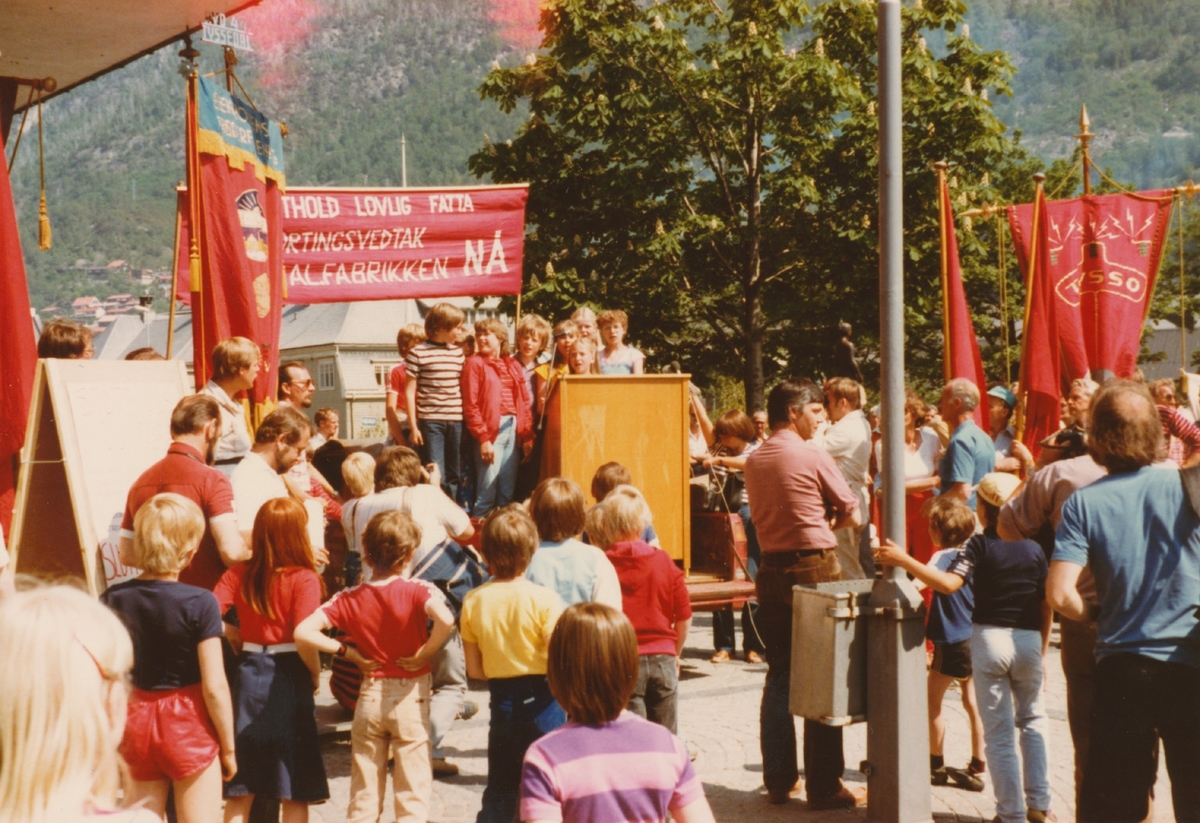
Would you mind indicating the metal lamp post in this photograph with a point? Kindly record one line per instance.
(897, 764)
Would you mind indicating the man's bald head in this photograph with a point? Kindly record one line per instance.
(1125, 433)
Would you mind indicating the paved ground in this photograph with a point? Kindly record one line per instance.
(719, 719)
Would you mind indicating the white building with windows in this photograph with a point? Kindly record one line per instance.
(348, 348)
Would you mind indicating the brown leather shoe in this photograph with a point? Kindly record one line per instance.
(754, 657)
(846, 798)
(779, 798)
(721, 656)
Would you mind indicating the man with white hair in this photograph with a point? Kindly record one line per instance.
(970, 453)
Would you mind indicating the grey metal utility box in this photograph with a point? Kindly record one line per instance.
(829, 651)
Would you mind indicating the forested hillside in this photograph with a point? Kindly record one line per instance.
(350, 76)
(1135, 64)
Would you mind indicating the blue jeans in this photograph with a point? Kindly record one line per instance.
(824, 760)
(1007, 665)
(495, 482)
(441, 447)
(522, 711)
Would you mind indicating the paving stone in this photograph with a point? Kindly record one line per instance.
(719, 719)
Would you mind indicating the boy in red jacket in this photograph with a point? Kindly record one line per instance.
(653, 596)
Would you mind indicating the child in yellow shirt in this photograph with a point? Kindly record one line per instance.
(506, 627)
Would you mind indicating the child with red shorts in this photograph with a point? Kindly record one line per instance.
(387, 620)
(180, 714)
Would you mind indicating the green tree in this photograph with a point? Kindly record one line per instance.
(711, 165)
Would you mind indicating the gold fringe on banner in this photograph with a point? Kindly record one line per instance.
(45, 236)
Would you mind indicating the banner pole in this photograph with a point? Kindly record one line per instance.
(1039, 178)
(174, 277)
(1085, 138)
(943, 218)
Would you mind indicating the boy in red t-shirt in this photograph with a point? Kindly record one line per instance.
(386, 619)
(397, 421)
(653, 596)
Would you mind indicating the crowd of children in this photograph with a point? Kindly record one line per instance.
(472, 408)
(221, 709)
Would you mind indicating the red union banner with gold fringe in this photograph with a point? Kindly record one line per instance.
(235, 266)
(960, 357)
(1103, 258)
(386, 244)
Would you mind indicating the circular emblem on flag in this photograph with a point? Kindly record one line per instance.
(254, 225)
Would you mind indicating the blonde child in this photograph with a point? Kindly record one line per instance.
(181, 715)
(616, 357)
(386, 618)
(606, 763)
(62, 709)
(654, 597)
(578, 572)
(274, 712)
(951, 525)
(407, 338)
(533, 337)
(433, 395)
(583, 357)
(608, 477)
(585, 319)
(358, 476)
(506, 626)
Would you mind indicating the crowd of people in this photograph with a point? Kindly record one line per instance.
(265, 556)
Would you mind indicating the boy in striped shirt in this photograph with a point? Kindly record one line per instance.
(433, 395)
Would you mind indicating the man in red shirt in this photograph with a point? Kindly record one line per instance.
(195, 429)
(797, 499)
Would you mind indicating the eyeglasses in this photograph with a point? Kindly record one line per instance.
(302, 383)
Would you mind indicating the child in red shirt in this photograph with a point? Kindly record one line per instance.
(273, 591)
(386, 618)
(653, 596)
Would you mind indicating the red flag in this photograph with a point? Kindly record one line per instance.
(1104, 253)
(18, 350)
(1041, 354)
(961, 356)
(236, 175)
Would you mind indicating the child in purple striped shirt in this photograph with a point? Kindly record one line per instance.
(605, 763)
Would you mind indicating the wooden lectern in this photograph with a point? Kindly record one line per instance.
(639, 421)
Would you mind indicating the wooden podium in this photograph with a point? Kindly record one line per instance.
(639, 421)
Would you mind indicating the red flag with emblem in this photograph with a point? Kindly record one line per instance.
(961, 354)
(235, 180)
(1041, 353)
(1103, 254)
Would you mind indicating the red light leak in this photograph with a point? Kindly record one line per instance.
(278, 29)
(517, 21)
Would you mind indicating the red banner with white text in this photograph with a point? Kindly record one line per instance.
(386, 244)
(1104, 253)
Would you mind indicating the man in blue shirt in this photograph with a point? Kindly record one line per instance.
(970, 454)
(1140, 537)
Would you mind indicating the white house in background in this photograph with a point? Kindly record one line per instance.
(348, 348)
(1163, 337)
